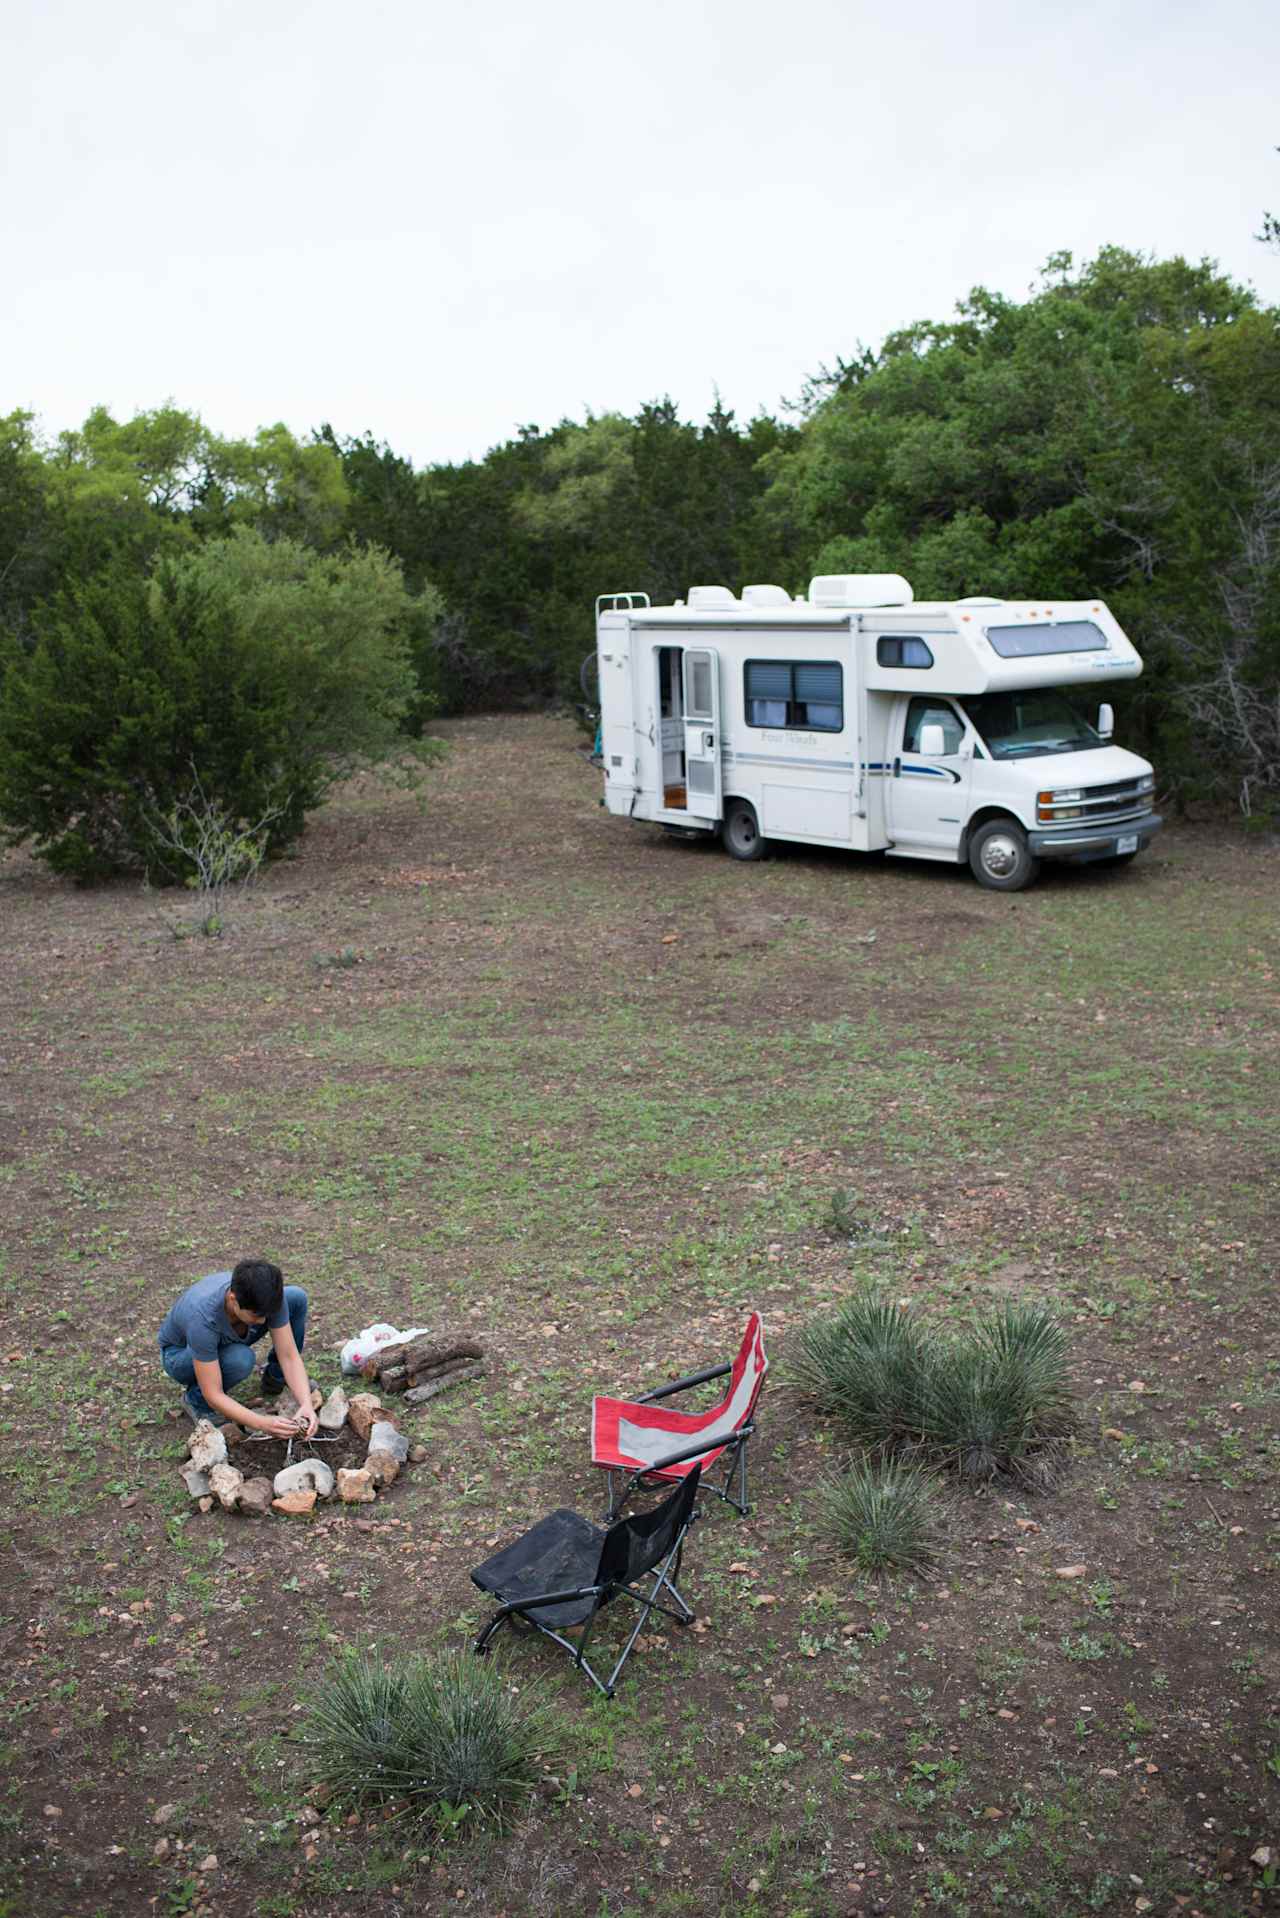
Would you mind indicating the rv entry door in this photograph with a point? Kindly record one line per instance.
(702, 731)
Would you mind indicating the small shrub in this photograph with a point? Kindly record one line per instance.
(336, 961)
(223, 855)
(866, 1366)
(842, 1220)
(995, 1403)
(998, 1404)
(439, 1735)
(883, 1515)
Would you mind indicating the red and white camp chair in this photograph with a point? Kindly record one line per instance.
(641, 1440)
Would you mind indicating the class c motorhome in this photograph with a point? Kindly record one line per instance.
(971, 731)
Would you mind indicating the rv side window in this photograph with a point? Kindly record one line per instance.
(807, 697)
(902, 650)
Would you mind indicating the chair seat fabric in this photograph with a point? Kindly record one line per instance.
(561, 1550)
(628, 1435)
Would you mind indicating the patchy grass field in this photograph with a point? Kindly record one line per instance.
(511, 1066)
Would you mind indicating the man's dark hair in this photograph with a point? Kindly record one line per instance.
(258, 1286)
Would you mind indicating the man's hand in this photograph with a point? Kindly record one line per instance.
(280, 1428)
(308, 1423)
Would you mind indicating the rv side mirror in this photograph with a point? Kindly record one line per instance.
(933, 741)
(1106, 721)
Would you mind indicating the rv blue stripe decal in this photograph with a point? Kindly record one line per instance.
(931, 772)
(731, 758)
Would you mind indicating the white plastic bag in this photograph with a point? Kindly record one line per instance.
(357, 1352)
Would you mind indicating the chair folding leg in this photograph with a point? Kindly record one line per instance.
(685, 1616)
(481, 1646)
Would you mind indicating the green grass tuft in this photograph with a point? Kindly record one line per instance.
(441, 1735)
(866, 1367)
(883, 1515)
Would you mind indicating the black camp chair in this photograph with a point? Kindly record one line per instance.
(566, 1570)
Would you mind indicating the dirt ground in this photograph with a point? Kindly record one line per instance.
(498, 1063)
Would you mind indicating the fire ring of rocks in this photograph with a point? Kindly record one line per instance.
(367, 1450)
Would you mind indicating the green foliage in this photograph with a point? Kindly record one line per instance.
(1114, 433)
(994, 1403)
(999, 1405)
(444, 1736)
(866, 1366)
(843, 1220)
(258, 672)
(883, 1515)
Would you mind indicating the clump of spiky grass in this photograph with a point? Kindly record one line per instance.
(998, 1404)
(865, 1366)
(439, 1735)
(994, 1403)
(883, 1515)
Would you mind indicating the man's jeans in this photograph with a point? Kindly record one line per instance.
(237, 1360)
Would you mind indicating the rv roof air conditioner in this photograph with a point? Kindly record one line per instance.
(704, 599)
(765, 596)
(860, 589)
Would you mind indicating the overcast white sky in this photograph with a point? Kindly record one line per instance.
(437, 223)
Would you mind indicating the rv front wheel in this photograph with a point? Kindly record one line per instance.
(1000, 858)
(742, 838)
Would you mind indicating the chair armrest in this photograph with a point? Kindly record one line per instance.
(696, 1451)
(683, 1385)
(679, 1458)
(549, 1598)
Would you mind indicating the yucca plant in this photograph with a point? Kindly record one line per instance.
(999, 1404)
(883, 1515)
(865, 1366)
(444, 1736)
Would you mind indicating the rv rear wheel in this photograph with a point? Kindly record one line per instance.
(1000, 858)
(742, 839)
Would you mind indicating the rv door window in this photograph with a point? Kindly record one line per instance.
(930, 712)
(805, 696)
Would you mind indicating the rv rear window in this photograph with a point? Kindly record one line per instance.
(1029, 642)
(805, 697)
(903, 649)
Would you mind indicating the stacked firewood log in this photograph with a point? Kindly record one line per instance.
(424, 1366)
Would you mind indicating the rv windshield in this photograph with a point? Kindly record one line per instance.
(1021, 725)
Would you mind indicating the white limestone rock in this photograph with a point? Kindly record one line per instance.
(308, 1475)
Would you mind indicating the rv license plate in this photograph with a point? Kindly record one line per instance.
(1128, 844)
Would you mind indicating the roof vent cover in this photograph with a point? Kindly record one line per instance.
(703, 598)
(860, 589)
(766, 596)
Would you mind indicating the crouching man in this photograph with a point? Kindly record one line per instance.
(208, 1336)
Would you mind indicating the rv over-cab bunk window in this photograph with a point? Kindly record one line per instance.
(903, 649)
(1029, 642)
(782, 693)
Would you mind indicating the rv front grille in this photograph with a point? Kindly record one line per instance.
(1122, 800)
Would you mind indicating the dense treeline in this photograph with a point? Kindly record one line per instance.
(1114, 433)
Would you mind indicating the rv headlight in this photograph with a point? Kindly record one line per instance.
(1052, 807)
(1147, 783)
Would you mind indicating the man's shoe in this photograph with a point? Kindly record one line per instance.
(271, 1388)
(208, 1417)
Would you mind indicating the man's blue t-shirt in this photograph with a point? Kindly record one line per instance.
(199, 1319)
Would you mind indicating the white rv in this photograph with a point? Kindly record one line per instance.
(970, 731)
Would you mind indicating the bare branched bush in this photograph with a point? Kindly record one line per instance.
(217, 855)
(1234, 702)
